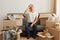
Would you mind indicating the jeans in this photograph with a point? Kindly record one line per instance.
(27, 28)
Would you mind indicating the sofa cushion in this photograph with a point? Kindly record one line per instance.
(39, 28)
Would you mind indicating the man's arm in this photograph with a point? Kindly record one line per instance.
(26, 11)
(36, 19)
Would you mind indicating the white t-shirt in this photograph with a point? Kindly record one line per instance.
(31, 16)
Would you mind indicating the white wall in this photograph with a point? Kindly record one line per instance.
(18, 6)
(58, 8)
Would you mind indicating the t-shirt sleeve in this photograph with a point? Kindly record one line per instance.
(36, 14)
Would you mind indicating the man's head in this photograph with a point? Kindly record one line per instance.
(31, 7)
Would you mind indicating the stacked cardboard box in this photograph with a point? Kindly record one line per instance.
(17, 22)
(19, 19)
(54, 29)
(43, 17)
(50, 24)
(8, 23)
(55, 33)
(57, 25)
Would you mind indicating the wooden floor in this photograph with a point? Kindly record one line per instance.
(24, 38)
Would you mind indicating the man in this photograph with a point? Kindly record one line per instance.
(32, 18)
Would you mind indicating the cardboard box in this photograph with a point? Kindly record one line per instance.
(44, 38)
(1, 28)
(40, 38)
(1, 36)
(57, 26)
(55, 33)
(16, 15)
(50, 24)
(43, 21)
(8, 23)
(12, 23)
(18, 36)
(19, 22)
(18, 18)
(43, 17)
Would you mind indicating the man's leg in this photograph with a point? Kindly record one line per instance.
(27, 30)
(34, 30)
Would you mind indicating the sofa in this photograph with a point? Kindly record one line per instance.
(42, 17)
(39, 27)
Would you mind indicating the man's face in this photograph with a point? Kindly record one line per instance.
(31, 7)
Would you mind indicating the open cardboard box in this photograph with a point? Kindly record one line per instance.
(18, 16)
(42, 37)
(17, 22)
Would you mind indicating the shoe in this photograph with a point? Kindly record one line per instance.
(28, 37)
(34, 37)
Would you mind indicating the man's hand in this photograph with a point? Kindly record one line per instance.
(31, 26)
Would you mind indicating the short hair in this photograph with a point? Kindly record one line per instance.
(31, 5)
